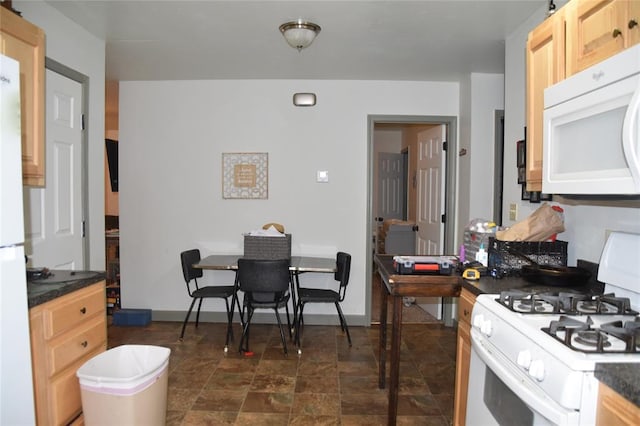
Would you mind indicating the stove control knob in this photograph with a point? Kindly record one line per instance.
(536, 369)
(524, 359)
(478, 320)
(486, 328)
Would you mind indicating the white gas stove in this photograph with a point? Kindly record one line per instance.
(534, 354)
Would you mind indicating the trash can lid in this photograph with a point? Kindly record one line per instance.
(124, 364)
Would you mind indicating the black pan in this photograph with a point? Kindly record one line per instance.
(555, 275)
(552, 275)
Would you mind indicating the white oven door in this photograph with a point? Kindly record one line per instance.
(501, 394)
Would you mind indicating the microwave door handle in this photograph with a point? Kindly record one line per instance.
(631, 138)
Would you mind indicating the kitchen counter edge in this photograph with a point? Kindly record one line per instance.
(38, 294)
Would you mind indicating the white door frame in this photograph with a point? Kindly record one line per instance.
(74, 75)
(450, 195)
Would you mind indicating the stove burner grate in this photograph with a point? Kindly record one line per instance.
(580, 336)
(567, 303)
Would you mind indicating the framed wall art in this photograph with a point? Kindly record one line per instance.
(245, 175)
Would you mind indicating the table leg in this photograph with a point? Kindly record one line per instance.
(394, 372)
(234, 301)
(382, 332)
(295, 285)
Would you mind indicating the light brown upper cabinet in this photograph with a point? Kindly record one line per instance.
(545, 66)
(598, 29)
(24, 42)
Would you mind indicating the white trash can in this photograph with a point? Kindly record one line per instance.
(126, 385)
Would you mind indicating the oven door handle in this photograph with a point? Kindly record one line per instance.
(520, 383)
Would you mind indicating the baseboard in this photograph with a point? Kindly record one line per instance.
(263, 317)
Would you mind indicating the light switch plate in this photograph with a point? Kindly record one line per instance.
(513, 212)
(322, 176)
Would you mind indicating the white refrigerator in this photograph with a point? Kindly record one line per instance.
(16, 383)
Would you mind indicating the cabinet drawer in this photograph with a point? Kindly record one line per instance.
(66, 401)
(69, 348)
(465, 305)
(70, 313)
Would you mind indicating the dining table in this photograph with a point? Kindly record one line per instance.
(397, 286)
(297, 266)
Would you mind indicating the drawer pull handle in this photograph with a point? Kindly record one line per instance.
(466, 313)
(616, 32)
(632, 23)
(84, 344)
(83, 310)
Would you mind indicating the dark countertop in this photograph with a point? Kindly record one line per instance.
(60, 283)
(622, 378)
(492, 285)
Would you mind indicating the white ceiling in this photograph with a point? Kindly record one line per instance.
(363, 40)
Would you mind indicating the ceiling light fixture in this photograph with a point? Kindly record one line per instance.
(299, 34)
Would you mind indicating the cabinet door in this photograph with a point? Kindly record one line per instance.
(633, 22)
(24, 42)
(614, 410)
(463, 358)
(596, 30)
(545, 66)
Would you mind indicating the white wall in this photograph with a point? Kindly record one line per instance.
(487, 96)
(172, 135)
(481, 95)
(464, 161)
(586, 222)
(72, 46)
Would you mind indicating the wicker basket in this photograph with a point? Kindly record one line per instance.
(263, 247)
(502, 257)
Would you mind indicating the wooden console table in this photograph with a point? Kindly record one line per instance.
(398, 286)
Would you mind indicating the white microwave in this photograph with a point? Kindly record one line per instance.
(590, 135)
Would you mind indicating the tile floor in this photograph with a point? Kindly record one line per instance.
(330, 383)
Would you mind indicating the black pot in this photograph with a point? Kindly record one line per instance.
(555, 275)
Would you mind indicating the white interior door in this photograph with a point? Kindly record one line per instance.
(53, 215)
(391, 198)
(430, 197)
(390, 181)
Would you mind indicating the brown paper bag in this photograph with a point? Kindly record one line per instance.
(539, 226)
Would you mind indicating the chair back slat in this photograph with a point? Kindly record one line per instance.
(188, 259)
(343, 270)
(263, 276)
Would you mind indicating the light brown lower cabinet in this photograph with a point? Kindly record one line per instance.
(65, 333)
(463, 356)
(615, 410)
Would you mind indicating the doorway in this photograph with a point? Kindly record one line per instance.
(498, 167)
(55, 215)
(449, 194)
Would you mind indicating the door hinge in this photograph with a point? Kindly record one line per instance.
(445, 145)
(84, 224)
(82, 121)
(443, 218)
